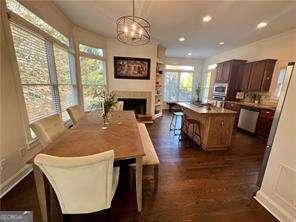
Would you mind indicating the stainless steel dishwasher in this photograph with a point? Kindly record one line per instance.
(248, 119)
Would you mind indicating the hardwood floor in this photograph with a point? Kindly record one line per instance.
(194, 185)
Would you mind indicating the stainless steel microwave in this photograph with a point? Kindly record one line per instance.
(220, 89)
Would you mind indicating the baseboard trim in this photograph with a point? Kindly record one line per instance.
(15, 179)
(276, 210)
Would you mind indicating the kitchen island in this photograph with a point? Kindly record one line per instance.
(216, 125)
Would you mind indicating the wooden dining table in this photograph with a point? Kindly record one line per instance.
(91, 136)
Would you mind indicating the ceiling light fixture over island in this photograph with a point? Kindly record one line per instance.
(216, 125)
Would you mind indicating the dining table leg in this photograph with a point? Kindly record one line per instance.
(40, 187)
(139, 178)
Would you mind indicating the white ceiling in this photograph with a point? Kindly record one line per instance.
(233, 22)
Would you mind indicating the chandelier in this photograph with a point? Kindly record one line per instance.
(133, 30)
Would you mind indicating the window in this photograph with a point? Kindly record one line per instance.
(207, 86)
(175, 67)
(47, 79)
(34, 73)
(280, 82)
(92, 74)
(26, 14)
(178, 83)
(91, 50)
(66, 81)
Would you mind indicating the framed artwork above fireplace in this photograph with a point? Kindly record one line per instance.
(131, 68)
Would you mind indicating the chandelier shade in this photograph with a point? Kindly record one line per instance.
(133, 30)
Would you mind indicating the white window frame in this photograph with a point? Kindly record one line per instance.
(179, 71)
(50, 41)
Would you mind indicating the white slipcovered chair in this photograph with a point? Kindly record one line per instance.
(82, 184)
(75, 113)
(48, 128)
(119, 106)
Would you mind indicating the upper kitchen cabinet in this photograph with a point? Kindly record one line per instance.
(268, 72)
(223, 72)
(227, 72)
(261, 75)
(244, 72)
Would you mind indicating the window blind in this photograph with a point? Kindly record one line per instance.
(47, 74)
(33, 66)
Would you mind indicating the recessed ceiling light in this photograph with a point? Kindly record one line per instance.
(221, 43)
(182, 39)
(261, 25)
(207, 18)
(189, 53)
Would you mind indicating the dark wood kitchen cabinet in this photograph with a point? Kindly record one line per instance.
(261, 75)
(264, 123)
(234, 107)
(224, 71)
(244, 72)
(268, 72)
(219, 72)
(227, 72)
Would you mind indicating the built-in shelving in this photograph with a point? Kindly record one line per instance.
(159, 89)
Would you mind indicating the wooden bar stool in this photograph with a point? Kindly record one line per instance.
(174, 121)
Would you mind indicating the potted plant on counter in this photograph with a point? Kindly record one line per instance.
(256, 98)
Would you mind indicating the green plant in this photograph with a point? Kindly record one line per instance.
(198, 92)
(109, 102)
(255, 97)
(103, 99)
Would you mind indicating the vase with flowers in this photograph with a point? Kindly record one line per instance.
(105, 101)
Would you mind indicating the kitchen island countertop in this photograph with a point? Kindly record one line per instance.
(204, 110)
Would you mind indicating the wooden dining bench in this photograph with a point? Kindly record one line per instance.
(150, 159)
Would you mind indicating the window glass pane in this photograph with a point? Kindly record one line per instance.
(176, 67)
(207, 86)
(171, 86)
(90, 102)
(185, 92)
(62, 65)
(92, 71)
(280, 83)
(38, 100)
(31, 56)
(90, 50)
(22, 11)
(67, 96)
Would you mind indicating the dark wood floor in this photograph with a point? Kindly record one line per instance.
(193, 185)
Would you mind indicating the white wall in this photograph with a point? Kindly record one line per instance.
(115, 48)
(281, 47)
(278, 191)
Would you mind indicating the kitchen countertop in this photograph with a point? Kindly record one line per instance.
(204, 110)
(259, 106)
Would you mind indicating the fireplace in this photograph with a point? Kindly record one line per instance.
(136, 105)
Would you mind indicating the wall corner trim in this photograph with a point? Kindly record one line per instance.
(279, 212)
(7, 185)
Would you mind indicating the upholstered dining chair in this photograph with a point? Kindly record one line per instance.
(75, 113)
(48, 128)
(82, 184)
(119, 106)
